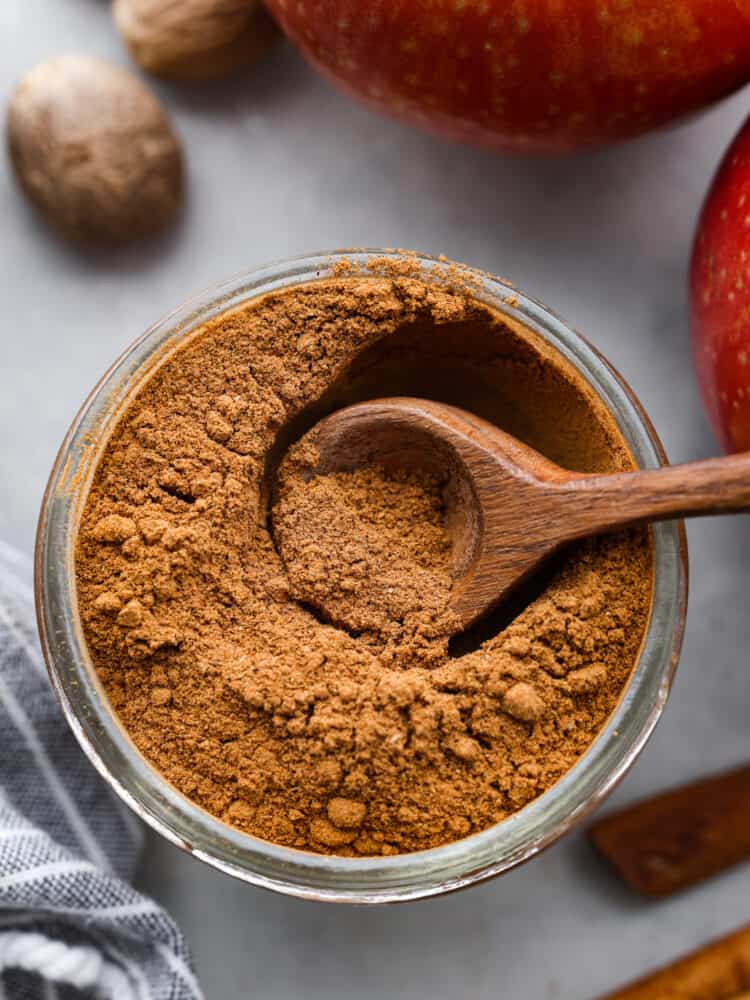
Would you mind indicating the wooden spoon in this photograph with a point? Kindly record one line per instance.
(509, 508)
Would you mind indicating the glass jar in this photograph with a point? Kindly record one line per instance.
(314, 876)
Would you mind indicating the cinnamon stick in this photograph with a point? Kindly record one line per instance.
(718, 971)
(680, 837)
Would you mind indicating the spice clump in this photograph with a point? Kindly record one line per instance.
(278, 645)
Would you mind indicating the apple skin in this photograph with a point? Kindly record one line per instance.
(527, 75)
(720, 297)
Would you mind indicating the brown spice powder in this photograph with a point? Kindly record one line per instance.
(365, 733)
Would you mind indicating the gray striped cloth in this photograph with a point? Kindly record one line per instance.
(71, 925)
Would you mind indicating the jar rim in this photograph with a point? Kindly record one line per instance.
(289, 870)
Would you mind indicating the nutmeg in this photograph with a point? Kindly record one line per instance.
(94, 151)
(194, 39)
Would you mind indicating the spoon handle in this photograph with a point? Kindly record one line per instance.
(712, 486)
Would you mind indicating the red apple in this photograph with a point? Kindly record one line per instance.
(720, 297)
(528, 75)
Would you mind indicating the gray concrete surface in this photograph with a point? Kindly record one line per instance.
(279, 164)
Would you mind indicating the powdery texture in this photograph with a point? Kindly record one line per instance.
(364, 736)
(370, 553)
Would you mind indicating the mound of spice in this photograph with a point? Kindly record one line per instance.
(205, 557)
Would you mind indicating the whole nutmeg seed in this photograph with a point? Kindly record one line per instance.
(190, 40)
(94, 151)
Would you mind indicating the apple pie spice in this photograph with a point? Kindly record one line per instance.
(279, 646)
